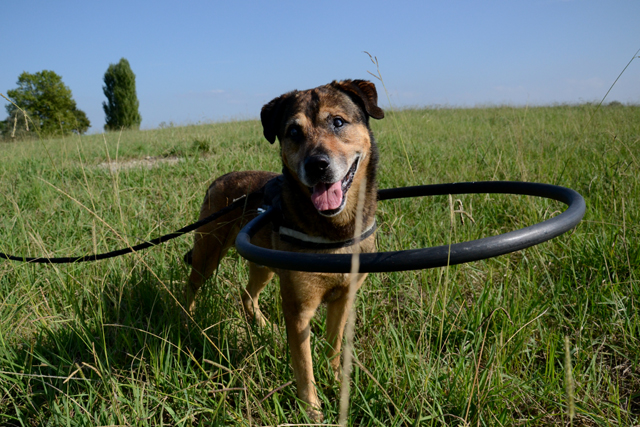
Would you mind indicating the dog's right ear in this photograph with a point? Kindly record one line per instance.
(272, 114)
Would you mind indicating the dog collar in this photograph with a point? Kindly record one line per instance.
(306, 241)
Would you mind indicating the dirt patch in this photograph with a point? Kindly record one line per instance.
(146, 162)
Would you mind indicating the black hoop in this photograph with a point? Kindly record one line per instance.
(438, 256)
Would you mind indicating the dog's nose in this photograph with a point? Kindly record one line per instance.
(315, 166)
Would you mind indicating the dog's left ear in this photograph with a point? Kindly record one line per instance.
(271, 116)
(366, 92)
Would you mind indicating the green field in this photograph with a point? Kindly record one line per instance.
(480, 344)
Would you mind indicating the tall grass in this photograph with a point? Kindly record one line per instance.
(476, 344)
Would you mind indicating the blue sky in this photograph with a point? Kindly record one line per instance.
(200, 61)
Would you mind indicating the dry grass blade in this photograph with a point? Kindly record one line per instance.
(348, 348)
(374, 60)
(15, 119)
(568, 379)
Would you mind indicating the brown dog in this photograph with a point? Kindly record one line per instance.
(327, 151)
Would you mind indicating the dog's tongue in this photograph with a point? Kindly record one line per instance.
(327, 196)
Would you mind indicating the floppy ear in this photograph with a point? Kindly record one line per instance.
(366, 92)
(271, 116)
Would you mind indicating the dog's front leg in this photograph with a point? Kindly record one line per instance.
(298, 335)
(337, 313)
(259, 277)
(298, 313)
(338, 307)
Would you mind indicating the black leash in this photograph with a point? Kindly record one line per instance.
(158, 240)
(270, 193)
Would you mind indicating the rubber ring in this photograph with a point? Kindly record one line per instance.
(438, 256)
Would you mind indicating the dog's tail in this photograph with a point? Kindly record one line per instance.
(188, 257)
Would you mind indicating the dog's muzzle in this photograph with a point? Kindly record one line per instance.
(329, 197)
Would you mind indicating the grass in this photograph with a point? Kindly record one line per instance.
(485, 343)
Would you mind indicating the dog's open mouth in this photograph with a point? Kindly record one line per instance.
(329, 198)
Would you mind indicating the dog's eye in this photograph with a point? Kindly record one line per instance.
(338, 122)
(294, 132)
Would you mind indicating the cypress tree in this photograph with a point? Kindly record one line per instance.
(121, 108)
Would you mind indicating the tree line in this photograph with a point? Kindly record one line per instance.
(43, 106)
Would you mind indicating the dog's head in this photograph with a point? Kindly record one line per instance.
(325, 138)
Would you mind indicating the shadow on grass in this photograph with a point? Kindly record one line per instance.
(128, 352)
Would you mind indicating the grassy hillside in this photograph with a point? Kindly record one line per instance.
(478, 344)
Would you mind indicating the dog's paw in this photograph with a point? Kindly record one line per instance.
(259, 318)
(315, 414)
(254, 313)
(337, 373)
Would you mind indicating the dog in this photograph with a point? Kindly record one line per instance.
(328, 151)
